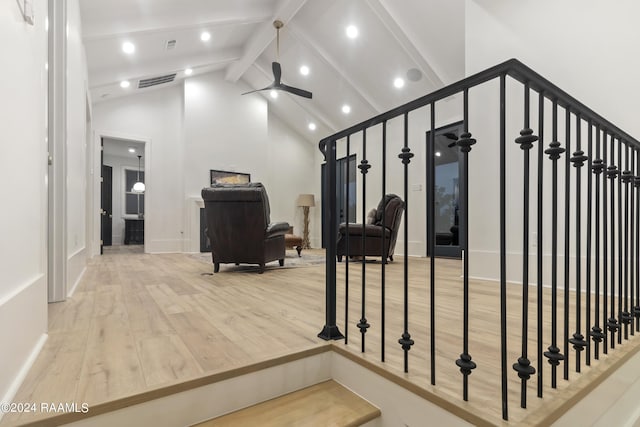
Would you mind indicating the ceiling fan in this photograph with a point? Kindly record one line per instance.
(277, 72)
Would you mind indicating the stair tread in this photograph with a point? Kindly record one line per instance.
(326, 404)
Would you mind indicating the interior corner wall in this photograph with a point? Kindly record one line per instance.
(154, 116)
(77, 250)
(292, 171)
(23, 169)
(573, 44)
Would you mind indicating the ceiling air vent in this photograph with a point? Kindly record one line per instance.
(171, 44)
(156, 81)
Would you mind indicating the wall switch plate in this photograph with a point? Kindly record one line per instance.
(416, 187)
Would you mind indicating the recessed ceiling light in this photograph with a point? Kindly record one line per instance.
(438, 154)
(125, 84)
(398, 82)
(128, 47)
(132, 150)
(274, 94)
(312, 126)
(188, 71)
(205, 36)
(346, 109)
(304, 70)
(352, 31)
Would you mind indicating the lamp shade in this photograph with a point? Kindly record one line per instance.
(306, 200)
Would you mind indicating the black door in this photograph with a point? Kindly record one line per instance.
(448, 191)
(106, 206)
(345, 184)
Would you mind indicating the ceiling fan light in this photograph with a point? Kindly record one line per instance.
(274, 94)
(304, 70)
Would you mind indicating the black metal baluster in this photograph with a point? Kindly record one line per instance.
(626, 178)
(620, 290)
(523, 366)
(364, 167)
(432, 240)
(605, 246)
(587, 322)
(596, 331)
(346, 271)
(405, 341)
(632, 233)
(503, 243)
(578, 160)
(554, 151)
(612, 173)
(567, 234)
(384, 226)
(539, 254)
(636, 185)
(465, 142)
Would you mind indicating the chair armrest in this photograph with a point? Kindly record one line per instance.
(369, 230)
(277, 229)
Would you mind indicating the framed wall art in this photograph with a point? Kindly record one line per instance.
(224, 177)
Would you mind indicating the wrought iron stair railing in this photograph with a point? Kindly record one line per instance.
(603, 269)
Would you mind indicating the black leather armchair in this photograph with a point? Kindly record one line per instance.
(393, 207)
(239, 227)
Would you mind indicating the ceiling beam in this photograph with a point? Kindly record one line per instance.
(394, 28)
(261, 39)
(300, 35)
(173, 27)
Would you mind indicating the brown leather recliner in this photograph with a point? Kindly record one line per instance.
(393, 207)
(239, 227)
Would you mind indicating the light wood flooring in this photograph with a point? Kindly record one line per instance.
(138, 322)
(324, 404)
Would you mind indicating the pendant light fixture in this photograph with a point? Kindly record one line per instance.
(139, 186)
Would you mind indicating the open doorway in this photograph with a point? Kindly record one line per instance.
(122, 195)
(448, 192)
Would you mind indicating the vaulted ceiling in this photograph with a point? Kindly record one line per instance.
(420, 41)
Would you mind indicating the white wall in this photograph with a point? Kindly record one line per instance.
(156, 118)
(573, 44)
(77, 82)
(23, 162)
(293, 170)
(202, 125)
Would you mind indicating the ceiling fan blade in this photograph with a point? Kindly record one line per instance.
(271, 86)
(277, 72)
(294, 90)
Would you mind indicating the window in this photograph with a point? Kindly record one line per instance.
(133, 202)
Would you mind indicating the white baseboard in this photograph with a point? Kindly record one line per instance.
(23, 326)
(24, 370)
